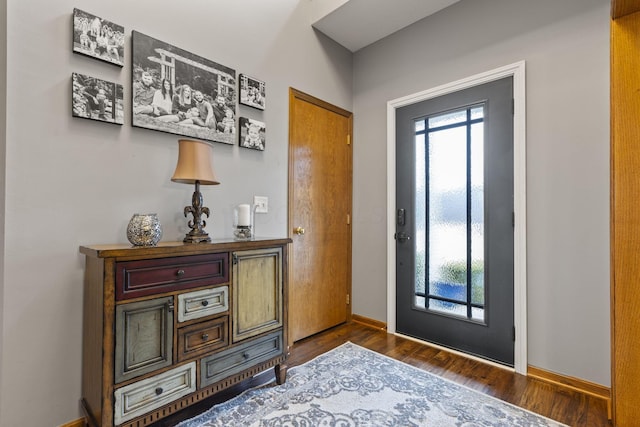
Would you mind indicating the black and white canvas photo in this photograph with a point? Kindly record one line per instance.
(98, 38)
(96, 99)
(178, 92)
(252, 92)
(252, 134)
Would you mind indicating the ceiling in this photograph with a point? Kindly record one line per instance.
(358, 23)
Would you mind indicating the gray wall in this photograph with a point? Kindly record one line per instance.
(72, 181)
(566, 48)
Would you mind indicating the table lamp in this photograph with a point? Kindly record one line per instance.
(194, 167)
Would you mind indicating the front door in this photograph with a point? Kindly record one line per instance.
(454, 220)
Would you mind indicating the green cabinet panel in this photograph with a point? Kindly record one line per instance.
(144, 337)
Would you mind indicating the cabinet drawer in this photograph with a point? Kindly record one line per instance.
(234, 360)
(204, 337)
(143, 396)
(152, 276)
(196, 304)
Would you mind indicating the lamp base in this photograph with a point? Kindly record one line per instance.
(197, 233)
(194, 237)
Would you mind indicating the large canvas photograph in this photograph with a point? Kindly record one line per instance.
(178, 92)
(96, 99)
(98, 38)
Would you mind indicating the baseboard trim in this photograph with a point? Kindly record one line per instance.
(77, 423)
(577, 384)
(369, 322)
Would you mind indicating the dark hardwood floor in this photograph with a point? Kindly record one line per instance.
(565, 405)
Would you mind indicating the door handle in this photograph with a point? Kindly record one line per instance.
(402, 237)
(299, 231)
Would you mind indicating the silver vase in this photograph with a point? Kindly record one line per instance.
(144, 230)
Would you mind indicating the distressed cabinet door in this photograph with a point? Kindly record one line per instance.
(144, 337)
(257, 292)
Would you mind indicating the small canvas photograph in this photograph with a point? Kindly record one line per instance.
(252, 92)
(252, 134)
(96, 99)
(178, 92)
(98, 38)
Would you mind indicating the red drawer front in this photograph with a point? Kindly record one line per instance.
(154, 276)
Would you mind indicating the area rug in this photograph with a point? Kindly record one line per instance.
(353, 386)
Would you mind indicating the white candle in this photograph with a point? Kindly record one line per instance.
(244, 218)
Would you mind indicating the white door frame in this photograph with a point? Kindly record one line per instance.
(517, 71)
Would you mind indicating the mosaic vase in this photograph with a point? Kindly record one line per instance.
(144, 230)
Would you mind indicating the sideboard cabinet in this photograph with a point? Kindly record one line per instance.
(170, 325)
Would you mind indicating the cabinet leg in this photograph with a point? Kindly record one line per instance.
(281, 373)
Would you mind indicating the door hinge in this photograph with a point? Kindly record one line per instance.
(348, 299)
(348, 139)
(235, 259)
(513, 219)
(348, 219)
(514, 333)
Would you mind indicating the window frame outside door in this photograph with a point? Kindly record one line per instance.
(517, 71)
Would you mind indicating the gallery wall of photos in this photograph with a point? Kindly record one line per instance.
(173, 90)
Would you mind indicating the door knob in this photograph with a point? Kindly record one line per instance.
(298, 230)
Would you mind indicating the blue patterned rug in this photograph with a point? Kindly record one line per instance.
(354, 386)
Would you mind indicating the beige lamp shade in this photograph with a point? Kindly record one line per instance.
(194, 163)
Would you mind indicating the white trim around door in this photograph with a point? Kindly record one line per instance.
(517, 70)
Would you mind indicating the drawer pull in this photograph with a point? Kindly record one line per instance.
(205, 337)
(205, 303)
(180, 273)
(159, 391)
(245, 355)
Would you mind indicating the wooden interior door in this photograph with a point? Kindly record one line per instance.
(625, 215)
(320, 194)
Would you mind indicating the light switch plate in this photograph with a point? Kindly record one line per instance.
(262, 204)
